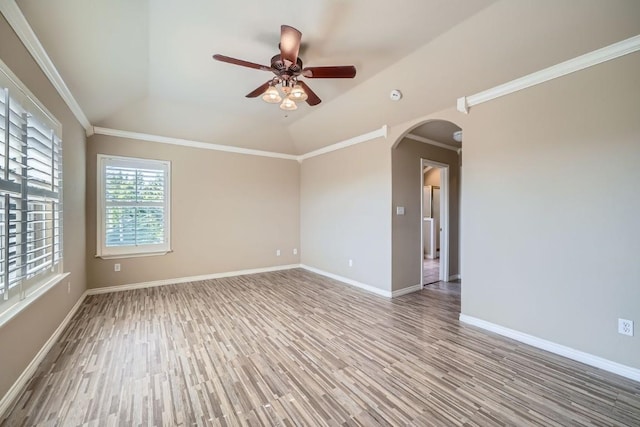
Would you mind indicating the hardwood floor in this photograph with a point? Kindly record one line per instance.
(295, 348)
(430, 271)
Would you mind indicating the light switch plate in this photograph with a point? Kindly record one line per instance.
(399, 210)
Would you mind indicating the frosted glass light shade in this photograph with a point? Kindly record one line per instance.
(288, 104)
(298, 94)
(271, 95)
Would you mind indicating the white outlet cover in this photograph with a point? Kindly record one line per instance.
(625, 327)
(399, 210)
(278, 252)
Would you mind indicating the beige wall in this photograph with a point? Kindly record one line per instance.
(23, 336)
(551, 237)
(229, 212)
(344, 213)
(407, 189)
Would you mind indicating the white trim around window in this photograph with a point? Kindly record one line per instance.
(30, 197)
(133, 207)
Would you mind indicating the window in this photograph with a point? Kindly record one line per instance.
(30, 193)
(133, 207)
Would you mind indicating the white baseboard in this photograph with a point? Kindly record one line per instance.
(568, 352)
(21, 382)
(405, 291)
(154, 283)
(348, 281)
(454, 277)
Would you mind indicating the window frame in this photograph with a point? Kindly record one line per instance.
(113, 252)
(39, 281)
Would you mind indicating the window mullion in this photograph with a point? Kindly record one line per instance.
(135, 210)
(53, 161)
(7, 134)
(53, 203)
(23, 208)
(5, 249)
(58, 201)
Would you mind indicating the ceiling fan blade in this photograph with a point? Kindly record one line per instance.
(337, 72)
(312, 98)
(289, 43)
(259, 90)
(240, 62)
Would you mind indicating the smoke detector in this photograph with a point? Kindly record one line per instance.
(395, 95)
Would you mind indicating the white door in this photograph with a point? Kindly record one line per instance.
(435, 209)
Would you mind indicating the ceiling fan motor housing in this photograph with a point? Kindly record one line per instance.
(280, 69)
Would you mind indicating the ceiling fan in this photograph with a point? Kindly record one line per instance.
(288, 69)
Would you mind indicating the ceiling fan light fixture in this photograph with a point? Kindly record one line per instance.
(271, 95)
(298, 94)
(288, 67)
(288, 104)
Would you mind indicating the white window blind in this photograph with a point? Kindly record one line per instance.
(133, 217)
(30, 193)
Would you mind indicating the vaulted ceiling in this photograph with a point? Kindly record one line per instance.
(146, 66)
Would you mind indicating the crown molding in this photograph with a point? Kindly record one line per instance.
(382, 132)
(19, 23)
(428, 141)
(587, 60)
(189, 143)
(378, 133)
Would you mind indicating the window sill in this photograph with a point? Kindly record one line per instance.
(139, 255)
(12, 311)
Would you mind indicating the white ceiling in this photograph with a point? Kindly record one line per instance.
(146, 66)
(141, 65)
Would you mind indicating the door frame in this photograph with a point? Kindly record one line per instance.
(444, 218)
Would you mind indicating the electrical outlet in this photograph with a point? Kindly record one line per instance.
(625, 327)
(295, 251)
(116, 267)
(277, 252)
(68, 287)
(350, 263)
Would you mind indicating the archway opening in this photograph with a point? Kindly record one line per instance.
(427, 234)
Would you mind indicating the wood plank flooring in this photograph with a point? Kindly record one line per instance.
(294, 348)
(430, 271)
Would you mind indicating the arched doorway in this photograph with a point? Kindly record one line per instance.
(432, 143)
